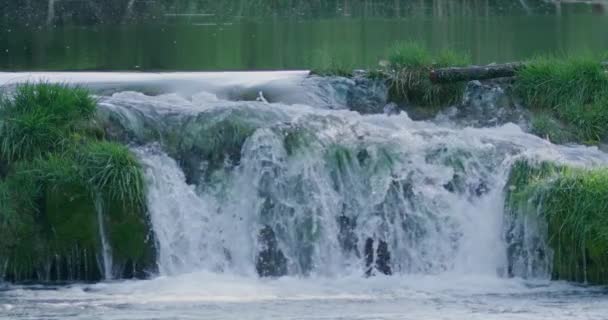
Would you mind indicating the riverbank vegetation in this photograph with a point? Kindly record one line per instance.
(567, 96)
(325, 64)
(573, 203)
(60, 183)
(570, 91)
(407, 71)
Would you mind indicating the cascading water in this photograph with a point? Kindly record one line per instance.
(106, 249)
(240, 187)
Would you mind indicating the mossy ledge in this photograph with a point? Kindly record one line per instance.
(573, 203)
(57, 173)
(406, 70)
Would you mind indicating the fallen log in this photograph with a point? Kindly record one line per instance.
(492, 71)
(456, 74)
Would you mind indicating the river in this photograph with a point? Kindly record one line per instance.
(240, 35)
(238, 162)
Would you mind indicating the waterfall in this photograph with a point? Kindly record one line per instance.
(106, 248)
(248, 188)
(182, 220)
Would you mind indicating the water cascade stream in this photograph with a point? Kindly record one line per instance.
(292, 189)
(106, 249)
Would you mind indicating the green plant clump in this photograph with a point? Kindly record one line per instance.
(547, 127)
(40, 119)
(113, 171)
(574, 204)
(408, 68)
(571, 93)
(325, 64)
(57, 176)
(551, 82)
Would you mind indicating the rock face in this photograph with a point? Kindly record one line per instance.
(271, 261)
(487, 104)
(346, 236)
(359, 93)
(382, 260)
(367, 96)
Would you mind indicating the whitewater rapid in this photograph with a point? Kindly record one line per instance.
(220, 296)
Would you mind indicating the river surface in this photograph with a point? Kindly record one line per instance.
(208, 296)
(247, 35)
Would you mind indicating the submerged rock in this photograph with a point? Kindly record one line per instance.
(271, 261)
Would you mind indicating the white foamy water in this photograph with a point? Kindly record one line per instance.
(326, 182)
(220, 296)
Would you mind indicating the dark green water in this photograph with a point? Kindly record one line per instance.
(281, 34)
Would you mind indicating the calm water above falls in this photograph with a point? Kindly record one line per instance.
(220, 35)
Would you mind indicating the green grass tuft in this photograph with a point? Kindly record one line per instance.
(572, 91)
(54, 165)
(547, 127)
(409, 65)
(56, 170)
(114, 171)
(67, 105)
(587, 122)
(409, 55)
(40, 117)
(325, 64)
(553, 83)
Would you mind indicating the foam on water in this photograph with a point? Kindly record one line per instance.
(223, 296)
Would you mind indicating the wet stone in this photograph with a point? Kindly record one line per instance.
(271, 261)
(347, 237)
(382, 260)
